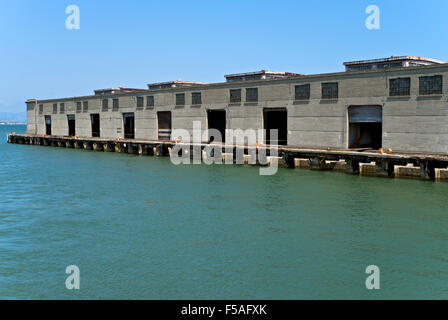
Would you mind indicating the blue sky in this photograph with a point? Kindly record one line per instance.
(132, 43)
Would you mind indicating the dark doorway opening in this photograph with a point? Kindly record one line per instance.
(365, 127)
(48, 125)
(95, 122)
(276, 119)
(129, 125)
(217, 120)
(164, 125)
(365, 135)
(71, 125)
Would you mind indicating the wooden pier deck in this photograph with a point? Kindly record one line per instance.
(364, 162)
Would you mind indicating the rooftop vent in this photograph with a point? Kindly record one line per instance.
(115, 91)
(174, 84)
(394, 61)
(260, 75)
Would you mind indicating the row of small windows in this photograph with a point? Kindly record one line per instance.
(116, 103)
(330, 90)
(251, 95)
(235, 97)
(84, 106)
(196, 99)
(428, 85)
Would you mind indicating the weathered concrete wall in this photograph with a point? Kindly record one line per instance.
(411, 123)
(31, 116)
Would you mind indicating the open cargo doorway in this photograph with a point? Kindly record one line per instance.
(365, 127)
(164, 125)
(95, 124)
(216, 119)
(48, 125)
(276, 119)
(71, 125)
(129, 125)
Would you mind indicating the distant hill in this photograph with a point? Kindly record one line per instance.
(13, 117)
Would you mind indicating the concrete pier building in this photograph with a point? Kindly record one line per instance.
(398, 102)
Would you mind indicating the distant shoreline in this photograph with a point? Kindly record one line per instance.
(12, 123)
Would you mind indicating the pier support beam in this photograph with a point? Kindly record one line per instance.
(367, 169)
(158, 150)
(320, 163)
(302, 163)
(352, 166)
(87, 145)
(384, 168)
(133, 148)
(427, 171)
(441, 174)
(108, 147)
(408, 171)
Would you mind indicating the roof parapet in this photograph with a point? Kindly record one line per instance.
(260, 75)
(391, 62)
(116, 90)
(174, 84)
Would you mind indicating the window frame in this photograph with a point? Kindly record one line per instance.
(140, 101)
(307, 97)
(194, 96)
(178, 99)
(150, 101)
(250, 99)
(325, 86)
(115, 104)
(105, 105)
(239, 94)
(432, 90)
(85, 106)
(400, 92)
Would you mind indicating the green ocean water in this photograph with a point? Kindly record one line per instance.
(142, 228)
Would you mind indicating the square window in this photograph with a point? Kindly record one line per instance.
(85, 106)
(252, 95)
(235, 96)
(105, 104)
(140, 102)
(431, 85)
(196, 98)
(180, 99)
(150, 101)
(400, 87)
(330, 90)
(115, 104)
(302, 92)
